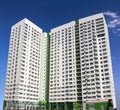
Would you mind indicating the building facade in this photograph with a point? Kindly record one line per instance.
(62, 83)
(95, 60)
(23, 79)
(80, 64)
(44, 68)
(67, 69)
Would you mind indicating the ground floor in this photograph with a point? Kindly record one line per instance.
(15, 105)
(65, 106)
(105, 105)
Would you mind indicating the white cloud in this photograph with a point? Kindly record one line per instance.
(118, 29)
(111, 14)
(113, 21)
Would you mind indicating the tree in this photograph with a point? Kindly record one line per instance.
(110, 105)
(41, 103)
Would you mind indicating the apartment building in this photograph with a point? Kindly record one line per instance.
(67, 69)
(63, 87)
(23, 71)
(95, 60)
(80, 64)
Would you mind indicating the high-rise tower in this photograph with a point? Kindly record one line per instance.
(95, 60)
(80, 64)
(62, 83)
(22, 80)
(67, 69)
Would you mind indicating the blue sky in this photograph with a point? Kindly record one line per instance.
(51, 13)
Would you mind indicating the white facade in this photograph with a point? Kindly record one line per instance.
(22, 80)
(62, 83)
(80, 62)
(95, 60)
